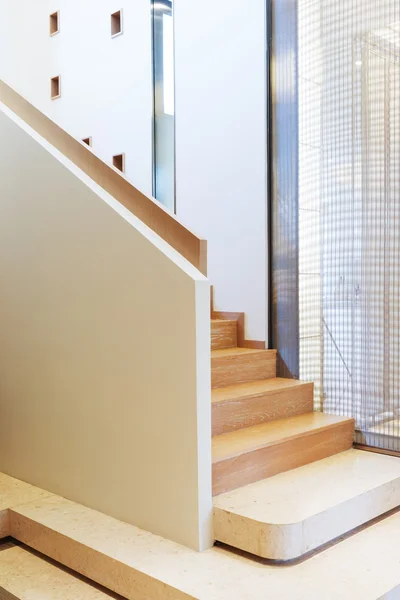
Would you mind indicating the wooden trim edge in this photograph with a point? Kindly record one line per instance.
(254, 344)
(377, 450)
(202, 256)
(147, 209)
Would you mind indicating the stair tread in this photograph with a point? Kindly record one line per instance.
(298, 494)
(12, 493)
(254, 388)
(292, 513)
(25, 575)
(222, 352)
(229, 445)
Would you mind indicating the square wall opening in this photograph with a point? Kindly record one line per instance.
(116, 23)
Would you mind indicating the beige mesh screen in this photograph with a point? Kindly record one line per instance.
(349, 211)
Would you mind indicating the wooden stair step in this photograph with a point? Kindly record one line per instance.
(249, 403)
(236, 365)
(223, 333)
(288, 515)
(25, 575)
(248, 455)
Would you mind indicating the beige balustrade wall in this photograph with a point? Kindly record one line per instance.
(104, 348)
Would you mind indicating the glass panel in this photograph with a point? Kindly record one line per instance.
(168, 64)
(164, 109)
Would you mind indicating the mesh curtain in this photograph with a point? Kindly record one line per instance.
(349, 211)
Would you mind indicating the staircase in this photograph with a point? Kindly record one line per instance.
(285, 478)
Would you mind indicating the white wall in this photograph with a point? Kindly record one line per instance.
(104, 349)
(220, 115)
(106, 82)
(220, 105)
(24, 57)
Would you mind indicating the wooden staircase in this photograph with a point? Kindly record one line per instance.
(263, 425)
(285, 478)
(263, 430)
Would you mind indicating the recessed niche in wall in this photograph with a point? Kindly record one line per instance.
(116, 23)
(55, 22)
(55, 87)
(119, 162)
(87, 141)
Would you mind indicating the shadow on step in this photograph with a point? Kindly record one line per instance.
(296, 561)
(7, 543)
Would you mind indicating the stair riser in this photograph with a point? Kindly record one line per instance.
(228, 370)
(223, 334)
(247, 468)
(231, 415)
(4, 524)
(117, 576)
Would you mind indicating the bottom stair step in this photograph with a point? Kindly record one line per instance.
(253, 453)
(288, 515)
(26, 575)
(142, 566)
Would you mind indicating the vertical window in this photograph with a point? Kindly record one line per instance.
(168, 64)
(164, 103)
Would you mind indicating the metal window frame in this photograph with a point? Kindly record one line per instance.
(283, 184)
(157, 9)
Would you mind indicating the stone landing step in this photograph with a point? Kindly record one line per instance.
(26, 575)
(143, 566)
(12, 493)
(140, 565)
(290, 514)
